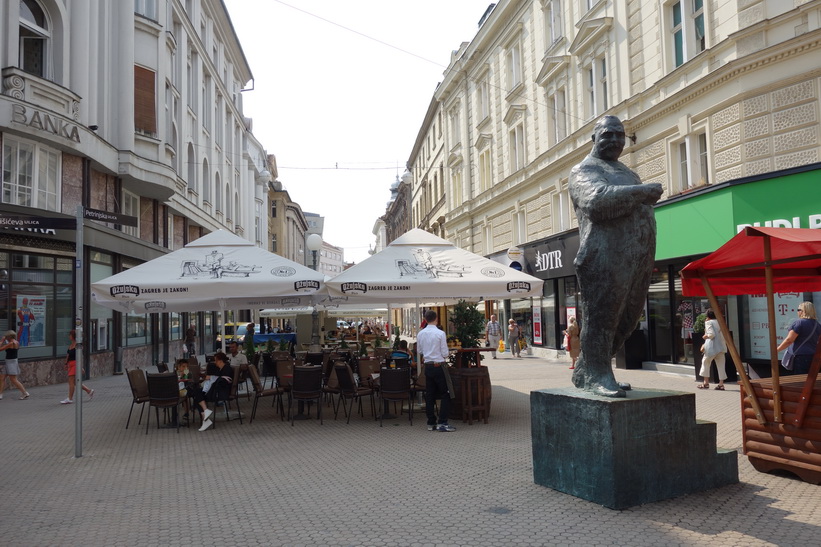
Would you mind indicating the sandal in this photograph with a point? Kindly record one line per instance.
(703, 386)
(720, 387)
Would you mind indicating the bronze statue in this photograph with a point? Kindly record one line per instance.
(617, 232)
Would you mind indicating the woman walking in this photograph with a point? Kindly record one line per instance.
(11, 368)
(573, 341)
(71, 364)
(714, 348)
(513, 338)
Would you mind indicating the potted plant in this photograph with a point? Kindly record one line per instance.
(250, 348)
(468, 326)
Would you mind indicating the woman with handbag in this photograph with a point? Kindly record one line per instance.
(714, 348)
(513, 337)
(573, 340)
(801, 339)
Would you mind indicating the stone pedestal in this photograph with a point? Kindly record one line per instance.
(625, 452)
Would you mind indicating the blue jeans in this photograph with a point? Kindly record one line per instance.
(436, 387)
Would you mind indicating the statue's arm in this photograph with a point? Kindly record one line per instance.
(601, 201)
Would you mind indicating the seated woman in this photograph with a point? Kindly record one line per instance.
(182, 373)
(217, 386)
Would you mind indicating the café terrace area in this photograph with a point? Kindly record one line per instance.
(271, 483)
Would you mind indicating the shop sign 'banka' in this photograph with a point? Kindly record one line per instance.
(45, 122)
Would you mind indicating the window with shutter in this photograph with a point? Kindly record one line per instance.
(145, 111)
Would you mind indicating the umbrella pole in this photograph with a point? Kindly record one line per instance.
(768, 278)
(742, 374)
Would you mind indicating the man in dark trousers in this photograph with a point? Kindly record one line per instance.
(432, 346)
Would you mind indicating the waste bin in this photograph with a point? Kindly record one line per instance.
(634, 351)
(118, 360)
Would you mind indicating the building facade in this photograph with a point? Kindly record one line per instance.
(132, 108)
(710, 93)
(287, 224)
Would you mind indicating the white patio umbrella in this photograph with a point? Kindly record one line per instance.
(419, 266)
(218, 271)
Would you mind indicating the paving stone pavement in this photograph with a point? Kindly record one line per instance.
(268, 483)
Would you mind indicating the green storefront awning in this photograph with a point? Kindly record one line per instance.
(700, 223)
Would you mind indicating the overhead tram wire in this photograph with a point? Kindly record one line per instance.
(535, 102)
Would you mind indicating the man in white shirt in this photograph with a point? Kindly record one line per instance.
(432, 346)
(235, 356)
(493, 333)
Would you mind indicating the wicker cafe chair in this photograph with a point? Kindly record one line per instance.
(162, 366)
(163, 392)
(139, 392)
(367, 368)
(395, 385)
(331, 386)
(307, 386)
(314, 358)
(260, 392)
(349, 390)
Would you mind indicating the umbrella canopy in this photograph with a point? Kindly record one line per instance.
(738, 266)
(419, 265)
(217, 271)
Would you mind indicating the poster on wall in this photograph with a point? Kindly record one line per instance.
(786, 306)
(537, 324)
(31, 317)
(571, 312)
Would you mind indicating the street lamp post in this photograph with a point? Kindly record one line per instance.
(314, 244)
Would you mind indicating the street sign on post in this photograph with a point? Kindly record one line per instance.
(106, 216)
(30, 221)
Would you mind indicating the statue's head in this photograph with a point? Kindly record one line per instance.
(608, 138)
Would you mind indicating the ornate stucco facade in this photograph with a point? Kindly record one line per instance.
(710, 91)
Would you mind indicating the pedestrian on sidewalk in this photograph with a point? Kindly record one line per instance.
(493, 333)
(513, 338)
(71, 365)
(803, 336)
(573, 340)
(714, 348)
(432, 346)
(11, 368)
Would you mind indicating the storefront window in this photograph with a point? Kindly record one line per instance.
(136, 329)
(36, 302)
(175, 322)
(660, 321)
(100, 332)
(522, 310)
(569, 302)
(549, 326)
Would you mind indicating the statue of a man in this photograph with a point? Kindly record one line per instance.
(617, 232)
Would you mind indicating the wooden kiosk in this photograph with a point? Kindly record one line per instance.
(781, 418)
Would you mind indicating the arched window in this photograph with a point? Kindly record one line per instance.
(192, 168)
(34, 38)
(217, 194)
(227, 201)
(236, 209)
(206, 184)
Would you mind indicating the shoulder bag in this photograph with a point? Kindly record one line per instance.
(786, 361)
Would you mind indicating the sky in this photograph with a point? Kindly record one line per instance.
(341, 88)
